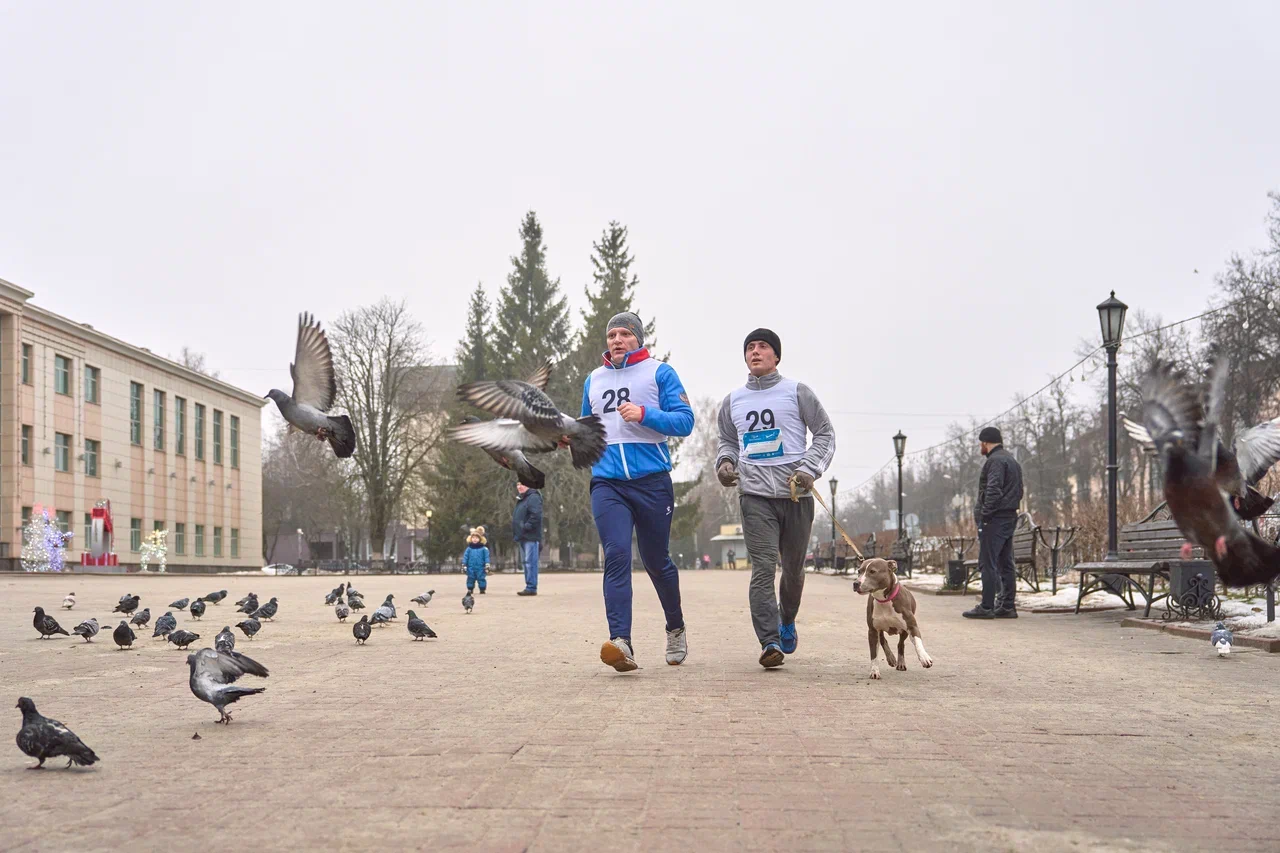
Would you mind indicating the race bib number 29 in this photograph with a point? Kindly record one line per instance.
(762, 444)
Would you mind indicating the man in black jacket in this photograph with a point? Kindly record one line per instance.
(996, 513)
(526, 530)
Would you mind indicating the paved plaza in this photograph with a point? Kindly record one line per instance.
(1048, 733)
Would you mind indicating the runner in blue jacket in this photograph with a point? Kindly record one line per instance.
(641, 402)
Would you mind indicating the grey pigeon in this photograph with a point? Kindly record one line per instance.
(180, 604)
(44, 738)
(1221, 638)
(390, 605)
(46, 624)
(215, 597)
(419, 629)
(334, 596)
(361, 630)
(250, 604)
(314, 390)
(127, 605)
(69, 602)
(341, 612)
(425, 598)
(266, 611)
(197, 609)
(241, 602)
(182, 639)
(514, 459)
(380, 617)
(141, 618)
(123, 635)
(468, 601)
(164, 625)
(249, 627)
(225, 641)
(528, 420)
(351, 590)
(213, 676)
(87, 629)
(356, 602)
(125, 597)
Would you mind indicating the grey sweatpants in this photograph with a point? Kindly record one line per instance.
(770, 526)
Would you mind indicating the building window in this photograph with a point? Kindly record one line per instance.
(26, 444)
(217, 437)
(235, 542)
(91, 449)
(64, 520)
(217, 541)
(26, 516)
(88, 531)
(179, 426)
(179, 538)
(26, 364)
(199, 431)
(92, 376)
(61, 452)
(61, 374)
(135, 534)
(235, 442)
(199, 540)
(157, 525)
(135, 413)
(158, 405)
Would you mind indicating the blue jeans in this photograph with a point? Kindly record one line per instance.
(529, 551)
(995, 561)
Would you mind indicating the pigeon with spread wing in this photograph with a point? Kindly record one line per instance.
(213, 677)
(314, 389)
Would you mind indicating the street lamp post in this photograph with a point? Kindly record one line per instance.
(299, 567)
(956, 503)
(1111, 316)
(833, 523)
(429, 513)
(900, 449)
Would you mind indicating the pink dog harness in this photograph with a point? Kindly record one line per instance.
(896, 589)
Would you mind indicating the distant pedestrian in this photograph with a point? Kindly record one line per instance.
(733, 559)
(526, 529)
(706, 561)
(476, 560)
(996, 514)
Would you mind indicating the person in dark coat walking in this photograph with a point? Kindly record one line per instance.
(526, 529)
(996, 514)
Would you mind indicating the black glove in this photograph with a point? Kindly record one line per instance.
(727, 474)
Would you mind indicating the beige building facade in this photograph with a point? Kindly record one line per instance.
(85, 416)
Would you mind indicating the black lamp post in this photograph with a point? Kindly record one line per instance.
(900, 449)
(833, 523)
(1111, 315)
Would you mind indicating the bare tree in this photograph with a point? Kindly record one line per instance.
(196, 361)
(304, 487)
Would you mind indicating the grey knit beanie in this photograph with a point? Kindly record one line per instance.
(629, 321)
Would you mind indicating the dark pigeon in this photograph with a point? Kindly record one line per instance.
(216, 597)
(334, 596)
(225, 641)
(266, 611)
(468, 601)
(180, 604)
(314, 390)
(341, 612)
(361, 630)
(165, 625)
(141, 618)
(513, 459)
(249, 627)
(1222, 638)
(213, 676)
(425, 598)
(44, 738)
(356, 602)
(241, 602)
(87, 629)
(182, 639)
(250, 604)
(419, 629)
(197, 609)
(123, 635)
(127, 605)
(46, 624)
(351, 590)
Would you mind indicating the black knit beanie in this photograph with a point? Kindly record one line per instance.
(990, 435)
(766, 335)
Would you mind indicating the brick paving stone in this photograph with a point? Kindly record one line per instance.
(1048, 733)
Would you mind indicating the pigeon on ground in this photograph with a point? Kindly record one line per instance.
(87, 629)
(468, 601)
(250, 604)
(351, 590)
(266, 611)
(46, 624)
(182, 639)
(419, 629)
(44, 738)
(141, 618)
(164, 625)
(528, 420)
(425, 598)
(127, 605)
(390, 606)
(335, 595)
(356, 602)
(125, 597)
(180, 604)
(123, 635)
(1222, 639)
(197, 609)
(341, 612)
(249, 627)
(380, 617)
(314, 390)
(513, 459)
(216, 597)
(214, 673)
(361, 630)
(225, 641)
(241, 602)
(69, 602)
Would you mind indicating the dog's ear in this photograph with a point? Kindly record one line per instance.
(893, 566)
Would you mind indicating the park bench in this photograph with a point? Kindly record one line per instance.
(900, 552)
(1025, 536)
(1147, 549)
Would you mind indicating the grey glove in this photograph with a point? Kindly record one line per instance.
(803, 480)
(727, 474)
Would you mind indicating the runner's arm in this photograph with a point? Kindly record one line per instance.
(675, 417)
(823, 447)
(728, 449)
(586, 397)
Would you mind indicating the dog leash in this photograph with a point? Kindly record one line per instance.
(795, 497)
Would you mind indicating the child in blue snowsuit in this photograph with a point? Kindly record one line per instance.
(476, 560)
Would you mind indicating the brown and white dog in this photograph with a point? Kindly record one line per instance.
(891, 609)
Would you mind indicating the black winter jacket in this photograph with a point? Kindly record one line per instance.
(526, 520)
(999, 487)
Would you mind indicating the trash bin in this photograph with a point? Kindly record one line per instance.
(955, 574)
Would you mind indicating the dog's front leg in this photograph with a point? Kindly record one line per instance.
(918, 642)
(871, 638)
(888, 652)
(902, 651)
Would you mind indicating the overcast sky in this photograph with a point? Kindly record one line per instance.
(925, 203)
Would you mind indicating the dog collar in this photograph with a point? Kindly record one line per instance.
(897, 588)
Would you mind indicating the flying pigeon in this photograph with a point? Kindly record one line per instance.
(527, 420)
(250, 604)
(1221, 639)
(249, 627)
(241, 602)
(123, 635)
(197, 609)
(314, 390)
(380, 617)
(425, 598)
(468, 601)
(182, 639)
(419, 629)
(69, 602)
(128, 604)
(46, 624)
(513, 459)
(389, 606)
(165, 625)
(266, 611)
(216, 597)
(356, 602)
(141, 618)
(87, 629)
(225, 641)
(214, 673)
(341, 612)
(335, 595)
(180, 604)
(44, 738)
(361, 630)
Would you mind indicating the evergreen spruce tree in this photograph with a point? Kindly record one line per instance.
(613, 291)
(475, 352)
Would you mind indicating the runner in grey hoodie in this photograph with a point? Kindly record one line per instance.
(764, 446)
